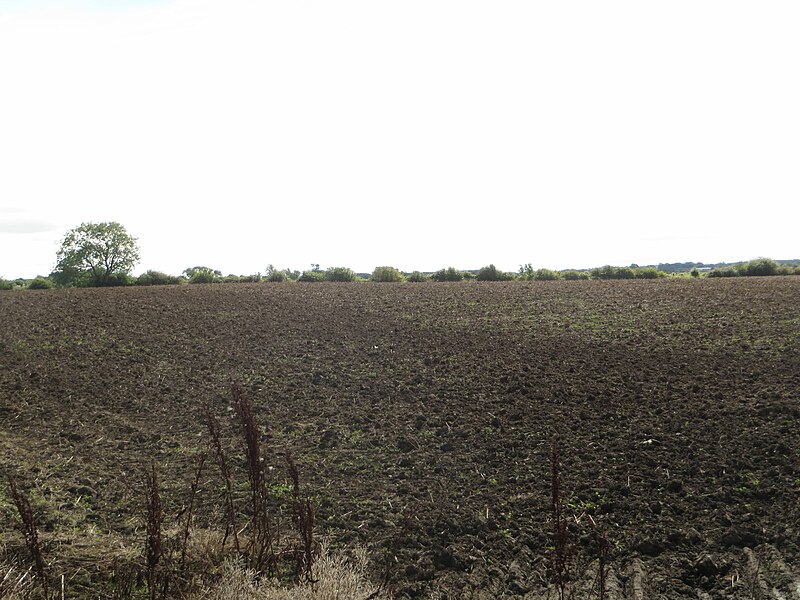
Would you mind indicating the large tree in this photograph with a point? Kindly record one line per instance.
(96, 254)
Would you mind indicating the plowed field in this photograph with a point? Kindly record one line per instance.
(676, 406)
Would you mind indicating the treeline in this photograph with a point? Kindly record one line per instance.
(386, 274)
(760, 267)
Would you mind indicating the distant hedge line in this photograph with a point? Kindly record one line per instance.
(385, 274)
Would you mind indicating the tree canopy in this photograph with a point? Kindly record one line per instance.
(98, 254)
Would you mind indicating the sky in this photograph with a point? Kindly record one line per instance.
(419, 134)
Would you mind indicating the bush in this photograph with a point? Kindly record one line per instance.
(6, 285)
(573, 275)
(545, 275)
(648, 273)
(311, 276)
(418, 277)
(448, 274)
(760, 267)
(608, 272)
(203, 275)
(254, 278)
(339, 275)
(526, 271)
(723, 272)
(116, 280)
(386, 275)
(694, 273)
(157, 278)
(492, 273)
(274, 275)
(40, 283)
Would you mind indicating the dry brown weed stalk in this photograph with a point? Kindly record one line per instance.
(30, 531)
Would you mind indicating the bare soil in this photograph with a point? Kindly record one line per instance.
(675, 404)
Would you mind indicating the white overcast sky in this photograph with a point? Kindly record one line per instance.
(421, 133)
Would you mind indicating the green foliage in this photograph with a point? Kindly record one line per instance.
(759, 267)
(723, 272)
(274, 275)
(96, 254)
(339, 275)
(254, 278)
(492, 273)
(694, 272)
(386, 275)
(203, 275)
(311, 276)
(418, 277)
(6, 285)
(231, 278)
(157, 278)
(526, 271)
(573, 275)
(608, 272)
(40, 283)
(546, 275)
(683, 267)
(448, 274)
(647, 273)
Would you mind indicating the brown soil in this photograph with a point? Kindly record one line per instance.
(675, 403)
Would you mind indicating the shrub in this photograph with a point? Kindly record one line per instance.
(203, 275)
(694, 273)
(648, 273)
(492, 273)
(40, 283)
(204, 278)
(5, 284)
(418, 277)
(526, 271)
(448, 274)
(608, 272)
(759, 267)
(311, 276)
(723, 272)
(339, 274)
(545, 275)
(254, 278)
(274, 275)
(117, 280)
(386, 275)
(157, 278)
(573, 275)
